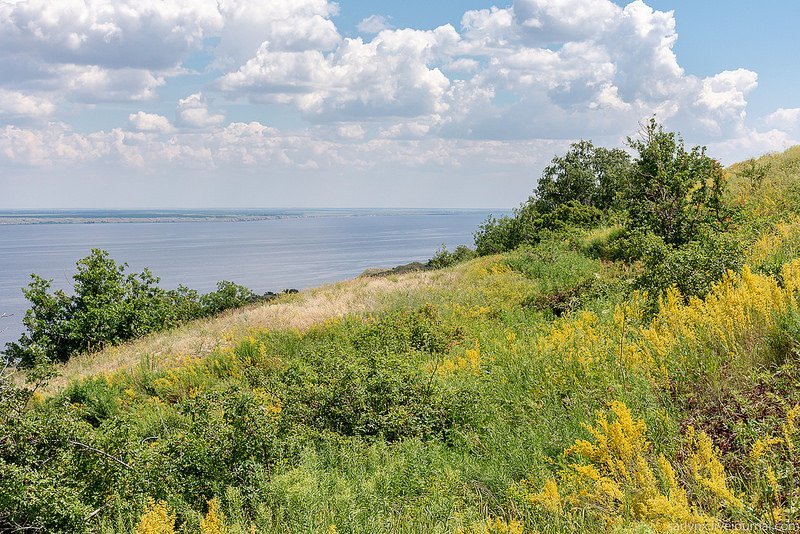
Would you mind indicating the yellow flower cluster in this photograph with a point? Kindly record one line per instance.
(548, 498)
(708, 471)
(580, 339)
(470, 362)
(471, 312)
(214, 521)
(734, 319)
(269, 402)
(619, 480)
(784, 234)
(156, 518)
(773, 460)
(499, 268)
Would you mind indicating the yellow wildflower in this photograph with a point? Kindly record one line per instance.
(708, 471)
(214, 521)
(156, 518)
(548, 498)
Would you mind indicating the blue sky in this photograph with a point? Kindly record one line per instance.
(199, 103)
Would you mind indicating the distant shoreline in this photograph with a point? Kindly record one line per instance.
(25, 217)
(131, 220)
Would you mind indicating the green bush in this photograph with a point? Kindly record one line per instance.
(692, 267)
(444, 258)
(496, 235)
(587, 175)
(186, 434)
(528, 225)
(673, 192)
(228, 295)
(108, 306)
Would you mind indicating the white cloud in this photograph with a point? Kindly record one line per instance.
(146, 34)
(388, 76)
(751, 143)
(15, 104)
(406, 130)
(351, 131)
(249, 144)
(722, 99)
(287, 25)
(92, 84)
(192, 112)
(508, 79)
(374, 24)
(94, 51)
(786, 119)
(149, 122)
(558, 21)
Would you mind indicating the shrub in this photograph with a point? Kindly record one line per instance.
(754, 173)
(228, 295)
(587, 175)
(673, 192)
(528, 226)
(444, 258)
(692, 268)
(108, 307)
(496, 235)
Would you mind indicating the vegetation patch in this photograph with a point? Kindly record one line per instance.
(620, 354)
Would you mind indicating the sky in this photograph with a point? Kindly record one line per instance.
(311, 103)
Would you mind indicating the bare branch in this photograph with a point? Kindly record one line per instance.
(98, 451)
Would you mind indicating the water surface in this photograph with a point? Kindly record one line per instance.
(278, 250)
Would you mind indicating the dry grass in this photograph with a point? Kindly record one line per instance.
(198, 338)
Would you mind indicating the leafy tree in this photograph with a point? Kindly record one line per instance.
(754, 172)
(109, 306)
(673, 192)
(589, 175)
(228, 295)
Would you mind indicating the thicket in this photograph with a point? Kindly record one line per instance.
(445, 258)
(233, 420)
(108, 306)
(666, 206)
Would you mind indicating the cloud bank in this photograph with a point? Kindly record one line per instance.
(507, 87)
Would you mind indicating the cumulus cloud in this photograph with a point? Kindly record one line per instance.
(287, 25)
(92, 84)
(388, 76)
(505, 79)
(192, 112)
(147, 34)
(114, 50)
(539, 68)
(149, 122)
(374, 24)
(251, 144)
(786, 119)
(750, 143)
(351, 131)
(18, 105)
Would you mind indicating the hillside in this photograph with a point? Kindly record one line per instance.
(536, 390)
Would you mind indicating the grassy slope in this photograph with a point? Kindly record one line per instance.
(473, 388)
(202, 337)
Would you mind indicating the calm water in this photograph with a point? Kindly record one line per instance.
(299, 250)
